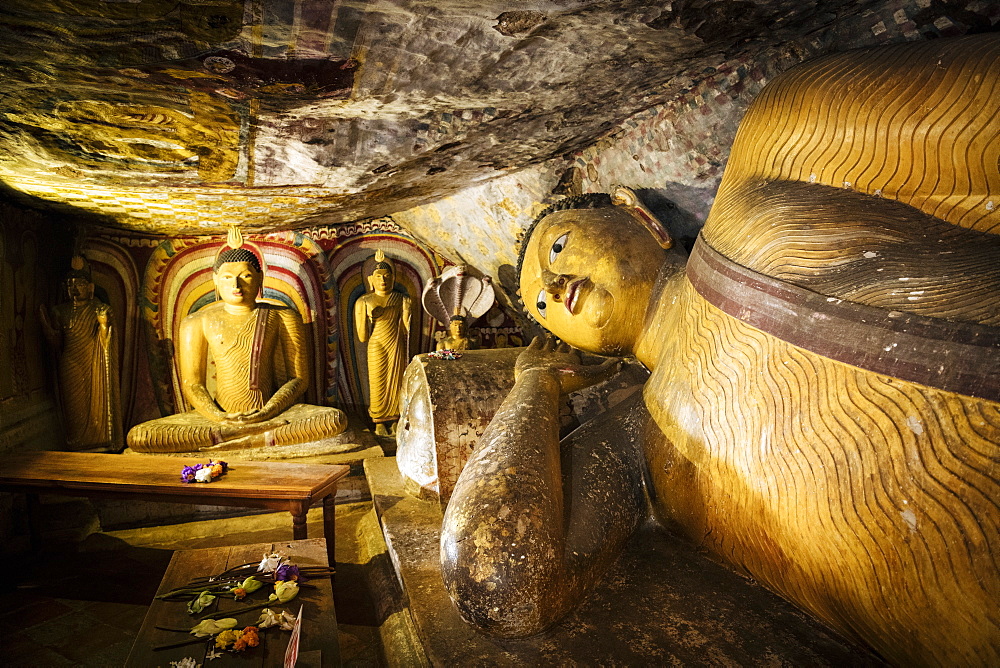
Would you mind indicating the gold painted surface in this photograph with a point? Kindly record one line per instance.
(82, 333)
(261, 368)
(146, 138)
(868, 500)
(915, 123)
(382, 320)
(183, 210)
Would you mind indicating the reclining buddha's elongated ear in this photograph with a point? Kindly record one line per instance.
(627, 199)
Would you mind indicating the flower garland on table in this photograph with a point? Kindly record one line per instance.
(219, 628)
(204, 472)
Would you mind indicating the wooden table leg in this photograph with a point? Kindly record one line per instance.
(329, 528)
(34, 518)
(299, 528)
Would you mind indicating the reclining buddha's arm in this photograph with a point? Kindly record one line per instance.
(510, 560)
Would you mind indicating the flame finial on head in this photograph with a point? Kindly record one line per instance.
(235, 251)
(234, 239)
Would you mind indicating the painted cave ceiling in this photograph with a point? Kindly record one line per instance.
(182, 116)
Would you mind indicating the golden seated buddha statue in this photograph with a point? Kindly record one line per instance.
(458, 336)
(245, 337)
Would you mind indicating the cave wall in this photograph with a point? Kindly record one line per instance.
(31, 255)
(674, 153)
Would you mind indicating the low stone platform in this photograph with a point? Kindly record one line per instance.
(662, 603)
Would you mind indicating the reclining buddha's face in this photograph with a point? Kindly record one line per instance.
(587, 277)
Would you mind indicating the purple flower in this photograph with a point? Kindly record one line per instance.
(187, 474)
(288, 572)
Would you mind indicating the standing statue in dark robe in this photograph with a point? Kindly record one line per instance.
(81, 333)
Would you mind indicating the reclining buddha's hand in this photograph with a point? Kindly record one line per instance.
(564, 364)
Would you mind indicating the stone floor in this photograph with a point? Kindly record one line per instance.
(80, 603)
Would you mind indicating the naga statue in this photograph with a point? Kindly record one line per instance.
(255, 403)
(823, 409)
(457, 298)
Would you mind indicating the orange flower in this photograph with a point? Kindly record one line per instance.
(248, 638)
(239, 593)
(216, 470)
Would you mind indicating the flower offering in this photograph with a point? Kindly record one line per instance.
(204, 472)
(445, 354)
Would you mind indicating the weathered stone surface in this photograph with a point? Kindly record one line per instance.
(148, 115)
(446, 405)
(661, 603)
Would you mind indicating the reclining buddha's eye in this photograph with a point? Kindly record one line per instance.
(540, 303)
(557, 247)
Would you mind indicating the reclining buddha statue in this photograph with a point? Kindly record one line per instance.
(823, 409)
(252, 406)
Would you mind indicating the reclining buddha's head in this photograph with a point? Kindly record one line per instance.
(587, 269)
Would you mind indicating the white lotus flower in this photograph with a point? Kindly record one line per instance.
(209, 627)
(204, 600)
(284, 591)
(270, 562)
(269, 618)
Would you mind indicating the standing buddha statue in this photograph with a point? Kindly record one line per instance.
(81, 333)
(382, 318)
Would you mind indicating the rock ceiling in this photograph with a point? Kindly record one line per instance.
(182, 116)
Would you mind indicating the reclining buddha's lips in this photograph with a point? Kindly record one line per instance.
(573, 292)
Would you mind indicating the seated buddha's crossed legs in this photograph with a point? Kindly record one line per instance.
(186, 432)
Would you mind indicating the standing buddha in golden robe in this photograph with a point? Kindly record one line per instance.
(382, 320)
(81, 332)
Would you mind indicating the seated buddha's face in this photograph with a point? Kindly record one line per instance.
(238, 283)
(587, 277)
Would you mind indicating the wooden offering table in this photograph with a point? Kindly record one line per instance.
(274, 485)
(318, 642)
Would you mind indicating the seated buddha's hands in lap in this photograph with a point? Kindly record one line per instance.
(563, 363)
(242, 417)
(250, 417)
